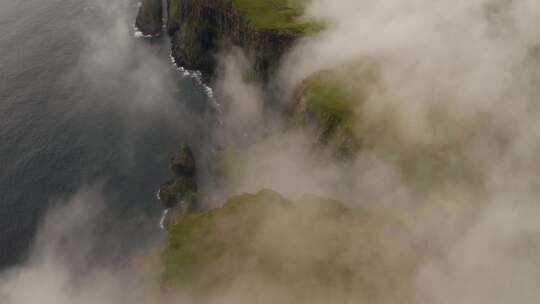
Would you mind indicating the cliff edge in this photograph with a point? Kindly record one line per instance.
(265, 30)
(149, 19)
(264, 243)
(179, 195)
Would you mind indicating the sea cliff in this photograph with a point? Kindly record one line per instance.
(201, 28)
(288, 251)
(179, 195)
(149, 19)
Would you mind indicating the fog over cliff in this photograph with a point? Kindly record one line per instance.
(71, 262)
(452, 129)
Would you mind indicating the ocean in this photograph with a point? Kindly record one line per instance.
(86, 104)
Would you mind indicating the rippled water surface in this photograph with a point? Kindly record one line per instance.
(84, 103)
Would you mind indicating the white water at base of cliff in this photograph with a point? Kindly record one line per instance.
(197, 76)
(162, 221)
(139, 34)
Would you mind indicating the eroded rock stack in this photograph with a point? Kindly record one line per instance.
(179, 194)
(150, 17)
(200, 28)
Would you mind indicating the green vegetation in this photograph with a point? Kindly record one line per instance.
(261, 240)
(328, 96)
(173, 9)
(179, 189)
(340, 91)
(276, 15)
(195, 242)
(333, 99)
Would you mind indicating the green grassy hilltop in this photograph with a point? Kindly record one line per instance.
(327, 95)
(332, 100)
(267, 15)
(275, 15)
(264, 243)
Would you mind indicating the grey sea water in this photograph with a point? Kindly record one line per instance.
(84, 103)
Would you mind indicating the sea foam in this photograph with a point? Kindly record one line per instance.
(162, 221)
(138, 34)
(197, 76)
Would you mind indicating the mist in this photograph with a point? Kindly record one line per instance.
(450, 133)
(135, 78)
(449, 130)
(79, 256)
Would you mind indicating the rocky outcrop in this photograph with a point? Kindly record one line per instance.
(179, 194)
(199, 28)
(183, 163)
(150, 17)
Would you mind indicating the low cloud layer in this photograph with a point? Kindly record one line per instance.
(74, 260)
(451, 135)
(135, 78)
(452, 131)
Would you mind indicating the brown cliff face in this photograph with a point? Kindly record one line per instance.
(199, 28)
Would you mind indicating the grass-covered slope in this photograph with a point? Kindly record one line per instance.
(172, 9)
(332, 100)
(275, 15)
(200, 240)
(328, 96)
(311, 250)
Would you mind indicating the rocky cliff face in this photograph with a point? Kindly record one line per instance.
(198, 28)
(179, 194)
(150, 17)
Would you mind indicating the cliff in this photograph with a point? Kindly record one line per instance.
(265, 30)
(179, 195)
(263, 246)
(150, 18)
(263, 243)
(331, 102)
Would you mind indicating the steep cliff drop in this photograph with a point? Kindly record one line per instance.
(179, 195)
(149, 20)
(199, 29)
(265, 244)
(329, 102)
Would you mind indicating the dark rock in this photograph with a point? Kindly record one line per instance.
(183, 163)
(329, 130)
(199, 28)
(179, 195)
(180, 189)
(150, 17)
